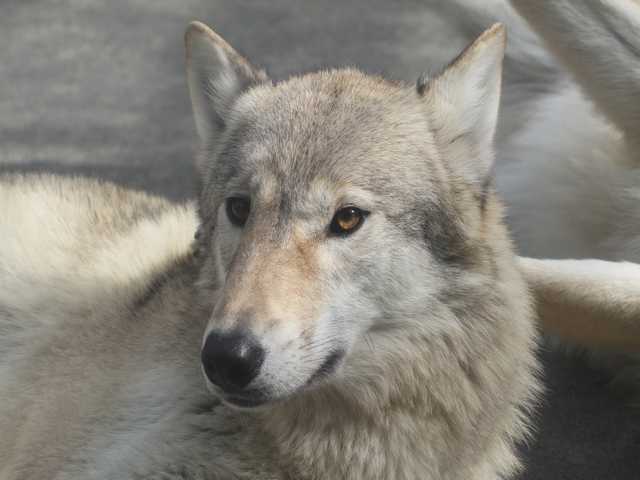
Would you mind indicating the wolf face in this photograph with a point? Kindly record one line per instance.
(335, 207)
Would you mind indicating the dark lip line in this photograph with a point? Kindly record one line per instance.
(242, 401)
(327, 367)
(247, 398)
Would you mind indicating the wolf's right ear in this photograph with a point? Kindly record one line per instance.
(217, 76)
(463, 104)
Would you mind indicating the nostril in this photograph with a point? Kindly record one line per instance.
(231, 360)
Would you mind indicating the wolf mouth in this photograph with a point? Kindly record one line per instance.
(246, 401)
(328, 367)
(256, 398)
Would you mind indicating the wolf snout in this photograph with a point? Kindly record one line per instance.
(231, 360)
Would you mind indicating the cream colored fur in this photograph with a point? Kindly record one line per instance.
(105, 297)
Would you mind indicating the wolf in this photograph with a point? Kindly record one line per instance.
(341, 301)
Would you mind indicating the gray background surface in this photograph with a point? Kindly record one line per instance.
(97, 88)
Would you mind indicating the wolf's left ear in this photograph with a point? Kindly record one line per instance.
(217, 76)
(463, 104)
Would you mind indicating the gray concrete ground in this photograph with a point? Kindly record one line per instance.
(97, 88)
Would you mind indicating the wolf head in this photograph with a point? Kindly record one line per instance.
(335, 207)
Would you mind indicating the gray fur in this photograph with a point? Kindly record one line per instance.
(109, 296)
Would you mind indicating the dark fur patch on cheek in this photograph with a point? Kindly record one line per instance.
(445, 240)
(439, 229)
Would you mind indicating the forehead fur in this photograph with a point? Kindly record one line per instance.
(341, 126)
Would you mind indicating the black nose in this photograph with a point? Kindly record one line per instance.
(231, 360)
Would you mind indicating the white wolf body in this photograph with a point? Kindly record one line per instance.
(567, 163)
(361, 257)
(567, 155)
(571, 176)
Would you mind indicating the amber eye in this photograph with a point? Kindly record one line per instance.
(347, 220)
(238, 210)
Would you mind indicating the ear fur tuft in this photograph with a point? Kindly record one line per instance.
(464, 101)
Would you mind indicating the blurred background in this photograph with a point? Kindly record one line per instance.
(98, 88)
